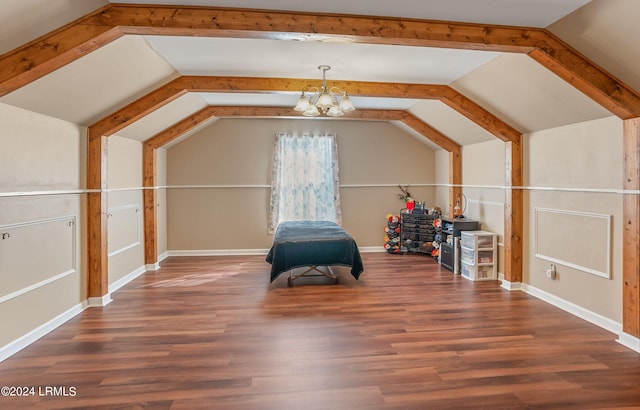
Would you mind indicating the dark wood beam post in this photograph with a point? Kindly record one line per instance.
(149, 165)
(631, 230)
(455, 177)
(98, 264)
(513, 212)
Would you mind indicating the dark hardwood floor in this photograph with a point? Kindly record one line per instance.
(213, 333)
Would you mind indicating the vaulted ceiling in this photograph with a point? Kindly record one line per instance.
(512, 86)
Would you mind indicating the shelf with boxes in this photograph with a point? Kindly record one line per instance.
(417, 230)
(479, 255)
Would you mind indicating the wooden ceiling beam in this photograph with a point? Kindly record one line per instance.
(219, 84)
(480, 116)
(288, 112)
(71, 42)
(175, 131)
(587, 77)
(136, 110)
(180, 86)
(53, 51)
(431, 133)
(282, 25)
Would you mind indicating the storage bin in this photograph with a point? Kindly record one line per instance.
(478, 272)
(485, 241)
(485, 257)
(477, 239)
(469, 256)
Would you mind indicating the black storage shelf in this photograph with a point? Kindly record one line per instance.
(449, 249)
(416, 232)
(453, 226)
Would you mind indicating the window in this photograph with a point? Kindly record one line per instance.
(305, 179)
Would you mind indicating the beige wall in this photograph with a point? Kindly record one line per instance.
(572, 177)
(231, 160)
(483, 177)
(574, 174)
(42, 201)
(161, 204)
(125, 223)
(442, 180)
(125, 207)
(40, 156)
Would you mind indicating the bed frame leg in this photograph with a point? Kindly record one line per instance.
(307, 272)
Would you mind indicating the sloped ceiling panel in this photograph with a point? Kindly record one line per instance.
(94, 86)
(191, 132)
(24, 20)
(164, 117)
(404, 127)
(526, 95)
(450, 122)
(596, 28)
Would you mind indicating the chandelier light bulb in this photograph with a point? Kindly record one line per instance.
(325, 101)
(311, 111)
(303, 103)
(345, 103)
(335, 112)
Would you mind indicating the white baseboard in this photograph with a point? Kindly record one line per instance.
(629, 341)
(219, 252)
(612, 326)
(574, 309)
(156, 266)
(371, 249)
(126, 279)
(152, 266)
(24, 341)
(510, 285)
(99, 301)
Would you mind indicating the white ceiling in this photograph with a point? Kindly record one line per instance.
(103, 81)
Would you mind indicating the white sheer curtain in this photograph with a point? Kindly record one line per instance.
(305, 182)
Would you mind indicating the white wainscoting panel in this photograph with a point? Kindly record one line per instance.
(579, 240)
(36, 253)
(125, 225)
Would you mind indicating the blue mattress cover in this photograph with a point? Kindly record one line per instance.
(313, 243)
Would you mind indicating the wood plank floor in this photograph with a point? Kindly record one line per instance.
(212, 333)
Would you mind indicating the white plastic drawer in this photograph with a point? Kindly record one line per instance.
(485, 257)
(476, 257)
(477, 239)
(467, 241)
(475, 272)
(468, 255)
(484, 241)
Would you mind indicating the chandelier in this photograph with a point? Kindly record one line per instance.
(330, 101)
